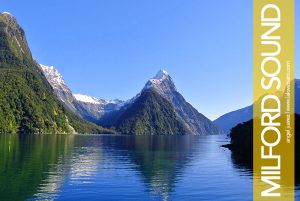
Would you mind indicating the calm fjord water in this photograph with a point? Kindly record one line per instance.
(115, 167)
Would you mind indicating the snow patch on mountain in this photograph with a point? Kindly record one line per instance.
(86, 99)
(53, 76)
(157, 79)
(162, 74)
(93, 100)
(162, 83)
(61, 90)
(89, 108)
(6, 13)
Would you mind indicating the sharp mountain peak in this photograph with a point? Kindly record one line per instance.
(161, 82)
(161, 74)
(8, 14)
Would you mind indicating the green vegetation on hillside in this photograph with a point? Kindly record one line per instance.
(27, 102)
(150, 114)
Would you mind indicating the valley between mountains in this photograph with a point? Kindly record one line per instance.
(157, 109)
(35, 99)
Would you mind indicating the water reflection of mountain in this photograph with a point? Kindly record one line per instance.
(242, 162)
(37, 166)
(24, 163)
(159, 159)
(78, 166)
(47, 167)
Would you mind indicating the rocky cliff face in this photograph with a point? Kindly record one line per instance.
(87, 107)
(59, 86)
(16, 34)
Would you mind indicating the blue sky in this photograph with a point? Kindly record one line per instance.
(109, 49)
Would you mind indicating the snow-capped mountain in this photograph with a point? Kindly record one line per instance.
(92, 109)
(196, 122)
(93, 100)
(163, 85)
(87, 107)
(108, 112)
(87, 99)
(61, 90)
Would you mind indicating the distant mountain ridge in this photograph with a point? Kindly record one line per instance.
(111, 113)
(231, 119)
